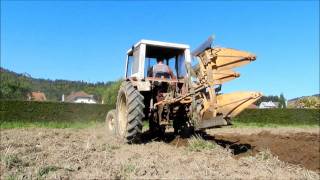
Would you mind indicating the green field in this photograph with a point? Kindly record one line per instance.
(20, 114)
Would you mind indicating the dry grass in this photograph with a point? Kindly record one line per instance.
(197, 144)
(90, 154)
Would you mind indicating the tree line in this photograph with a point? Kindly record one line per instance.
(280, 99)
(15, 86)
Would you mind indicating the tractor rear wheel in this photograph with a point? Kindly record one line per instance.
(129, 113)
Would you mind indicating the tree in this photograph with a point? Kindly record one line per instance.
(309, 102)
(267, 98)
(110, 93)
(282, 101)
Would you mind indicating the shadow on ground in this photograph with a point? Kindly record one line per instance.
(287, 147)
(235, 147)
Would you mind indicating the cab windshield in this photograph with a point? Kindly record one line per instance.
(172, 57)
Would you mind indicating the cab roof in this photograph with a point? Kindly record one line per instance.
(159, 44)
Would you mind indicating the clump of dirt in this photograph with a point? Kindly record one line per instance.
(296, 148)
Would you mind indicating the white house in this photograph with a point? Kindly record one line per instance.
(80, 97)
(268, 105)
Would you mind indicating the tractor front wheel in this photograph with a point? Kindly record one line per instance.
(111, 122)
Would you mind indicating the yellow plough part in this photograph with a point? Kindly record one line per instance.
(233, 103)
(215, 68)
(220, 77)
(226, 58)
(218, 61)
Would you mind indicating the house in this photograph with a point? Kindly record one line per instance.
(80, 97)
(37, 96)
(276, 104)
(268, 105)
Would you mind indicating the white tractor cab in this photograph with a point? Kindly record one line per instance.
(143, 55)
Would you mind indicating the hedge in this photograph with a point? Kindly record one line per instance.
(35, 112)
(31, 111)
(279, 116)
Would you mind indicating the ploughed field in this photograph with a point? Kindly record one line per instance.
(224, 153)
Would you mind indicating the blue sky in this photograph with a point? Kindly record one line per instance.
(84, 40)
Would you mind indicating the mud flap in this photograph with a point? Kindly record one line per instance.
(210, 123)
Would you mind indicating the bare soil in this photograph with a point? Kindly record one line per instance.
(300, 148)
(239, 153)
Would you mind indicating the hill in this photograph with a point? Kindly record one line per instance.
(15, 86)
(305, 102)
(297, 98)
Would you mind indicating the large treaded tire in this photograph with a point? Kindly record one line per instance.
(129, 113)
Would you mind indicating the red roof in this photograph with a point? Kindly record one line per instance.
(78, 94)
(252, 106)
(37, 96)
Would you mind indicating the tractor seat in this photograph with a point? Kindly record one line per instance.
(162, 75)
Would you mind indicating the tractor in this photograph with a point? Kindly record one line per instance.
(190, 101)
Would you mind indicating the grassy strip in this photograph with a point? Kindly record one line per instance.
(20, 114)
(271, 125)
(50, 124)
